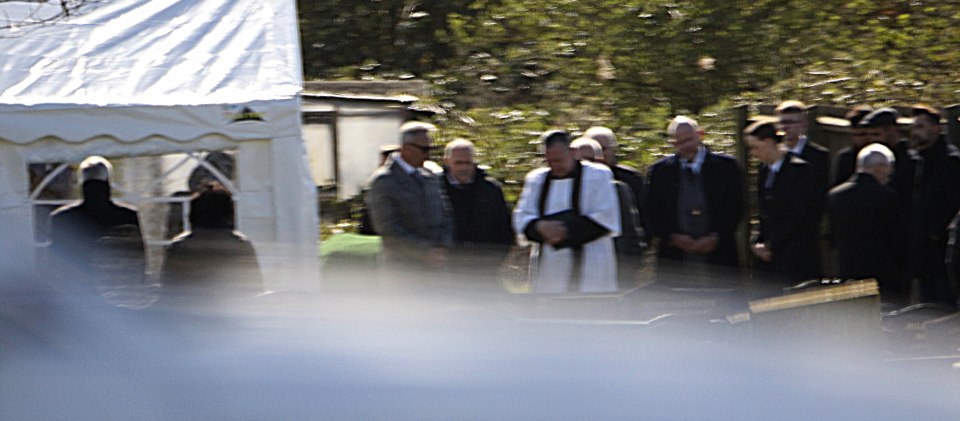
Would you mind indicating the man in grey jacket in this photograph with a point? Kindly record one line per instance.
(407, 204)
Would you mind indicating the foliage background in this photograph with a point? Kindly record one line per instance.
(505, 70)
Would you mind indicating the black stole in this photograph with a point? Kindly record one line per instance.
(575, 278)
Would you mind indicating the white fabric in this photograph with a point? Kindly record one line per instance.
(151, 77)
(157, 52)
(551, 269)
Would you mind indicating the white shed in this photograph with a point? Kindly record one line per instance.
(346, 123)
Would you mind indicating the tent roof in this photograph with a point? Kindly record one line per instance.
(153, 52)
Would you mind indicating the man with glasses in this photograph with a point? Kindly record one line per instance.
(408, 205)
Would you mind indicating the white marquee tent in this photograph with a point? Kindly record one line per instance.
(126, 78)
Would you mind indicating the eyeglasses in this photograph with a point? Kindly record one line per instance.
(424, 149)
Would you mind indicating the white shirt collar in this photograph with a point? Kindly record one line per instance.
(407, 168)
(801, 143)
(697, 160)
(775, 168)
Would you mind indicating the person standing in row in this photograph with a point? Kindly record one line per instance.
(408, 205)
(622, 173)
(694, 201)
(569, 211)
(845, 164)
(630, 244)
(483, 233)
(792, 122)
(867, 226)
(931, 187)
(787, 242)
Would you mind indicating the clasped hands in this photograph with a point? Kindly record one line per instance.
(688, 244)
(553, 232)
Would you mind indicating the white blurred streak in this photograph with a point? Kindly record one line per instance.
(426, 347)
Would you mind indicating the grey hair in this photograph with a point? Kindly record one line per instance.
(601, 134)
(95, 168)
(457, 144)
(589, 142)
(410, 128)
(872, 155)
(681, 120)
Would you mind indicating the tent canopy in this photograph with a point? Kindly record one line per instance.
(149, 77)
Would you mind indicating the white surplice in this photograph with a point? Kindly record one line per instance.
(551, 269)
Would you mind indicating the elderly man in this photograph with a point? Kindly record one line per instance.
(694, 200)
(569, 211)
(932, 188)
(630, 176)
(483, 233)
(866, 224)
(631, 243)
(97, 236)
(407, 204)
(792, 121)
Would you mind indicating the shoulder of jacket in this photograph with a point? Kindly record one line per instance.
(721, 157)
(798, 161)
(491, 182)
(663, 162)
(817, 147)
(953, 151)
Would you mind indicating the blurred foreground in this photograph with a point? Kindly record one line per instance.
(461, 347)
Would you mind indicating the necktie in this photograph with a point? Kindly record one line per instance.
(768, 183)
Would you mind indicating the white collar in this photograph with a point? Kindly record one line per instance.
(801, 143)
(697, 160)
(775, 167)
(407, 168)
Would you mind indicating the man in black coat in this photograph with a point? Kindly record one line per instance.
(845, 164)
(866, 224)
(882, 126)
(931, 186)
(211, 260)
(792, 121)
(96, 237)
(692, 228)
(483, 232)
(787, 243)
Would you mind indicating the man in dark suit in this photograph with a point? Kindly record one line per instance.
(694, 200)
(787, 243)
(866, 224)
(792, 121)
(932, 186)
(408, 205)
(845, 164)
